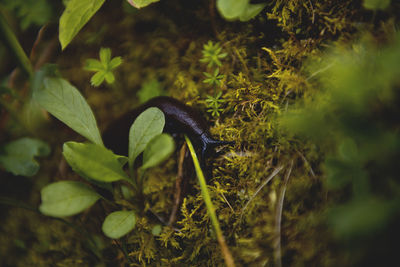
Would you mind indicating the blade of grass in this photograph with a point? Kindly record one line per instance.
(210, 207)
(12, 43)
(278, 219)
(265, 182)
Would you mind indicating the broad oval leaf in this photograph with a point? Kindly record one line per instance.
(94, 161)
(147, 125)
(18, 157)
(141, 3)
(75, 16)
(251, 11)
(66, 198)
(231, 9)
(157, 150)
(119, 223)
(67, 104)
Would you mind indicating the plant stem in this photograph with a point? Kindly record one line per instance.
(12, 43)
(210, 207)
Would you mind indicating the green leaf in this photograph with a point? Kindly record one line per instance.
(141, 3)
(109, 77)
(93, 65)
(115, 62)
(231, 9)
(66, 198)
(147, 125)
(119, 223)
(251, 11)
(157, 150)
(18, 157)
(94, 161)
(98, 78)
(156, 230)
(67, 104)
(105, 55)
(75, 16)
(376, 4)
(359, 218)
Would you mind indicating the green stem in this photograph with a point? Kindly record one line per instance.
(12, 43)
(210, 207)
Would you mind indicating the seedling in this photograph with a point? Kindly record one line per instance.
(214, 104)
(213, 79)
(103, 67)
(212, 54)
(97, 164)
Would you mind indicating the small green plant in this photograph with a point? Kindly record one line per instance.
(212, 54)
(214, 78)
(97, 164)
(214, 104)
(103, 67)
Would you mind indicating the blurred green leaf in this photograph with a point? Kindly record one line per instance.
(361, 217)
(30, 12)
(251, 11)
(149, 90)
(18, 157)
(231, 9)
(156, 230)
(376, 4)
(66, 198)
(141, 3)
(119, 223)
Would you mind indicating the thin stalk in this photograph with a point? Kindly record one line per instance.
(278, 219)
(264, 183)
(12, 43)
(210, 207)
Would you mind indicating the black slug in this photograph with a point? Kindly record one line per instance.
(179, 119)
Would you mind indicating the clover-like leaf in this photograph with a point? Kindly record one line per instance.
(18, 157)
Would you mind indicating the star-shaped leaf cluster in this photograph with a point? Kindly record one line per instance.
(103, 67)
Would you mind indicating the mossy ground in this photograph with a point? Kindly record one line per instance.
(264, 74)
